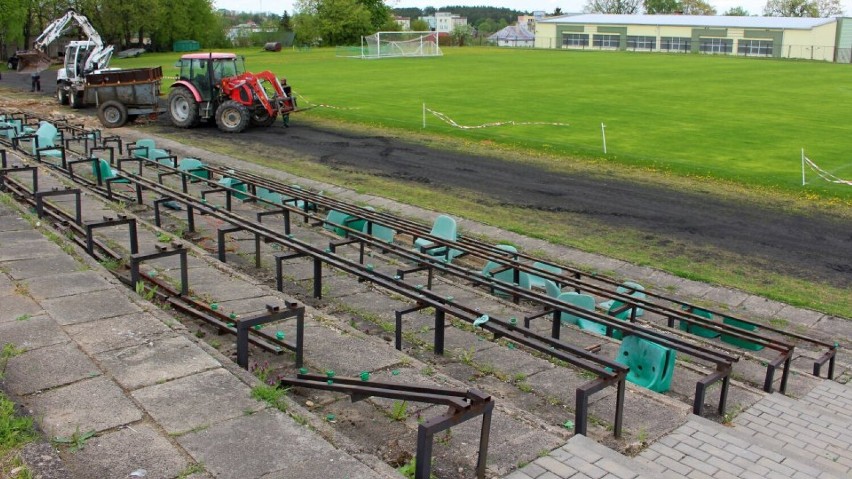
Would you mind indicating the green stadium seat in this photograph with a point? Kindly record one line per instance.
(335, 219)
(234, 184)
(632, 288)
(538, 281)
(507, 276)
(106, 172)
(651, 365)
(45, 137)
(140, 148)
(699, 331)
(552, 289)
(380, 232)
(584, 301)
(743, 343)
(266, 195)
(445, 228)
(194, 167)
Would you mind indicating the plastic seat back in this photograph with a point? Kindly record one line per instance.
(553, 290)
(336, 219)
(740, 342)
(696, 329)
(538, 281)
(507, 275)
(146, 145)
(106, 171)
(194, 167)
(46, 135)
(445, 228)
(380, 232)
(651, 365)
(235, 185)
(584, 301)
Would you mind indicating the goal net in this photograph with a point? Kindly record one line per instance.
(400, 44)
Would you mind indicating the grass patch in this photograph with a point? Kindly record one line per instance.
(272, 395)
(15, 432)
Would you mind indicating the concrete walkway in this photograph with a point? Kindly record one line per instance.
(161, 405)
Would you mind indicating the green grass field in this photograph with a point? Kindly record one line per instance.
(739, 119)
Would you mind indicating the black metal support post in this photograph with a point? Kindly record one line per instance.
(108, 222)
(274, 313)
(178, 249)
(40, 195)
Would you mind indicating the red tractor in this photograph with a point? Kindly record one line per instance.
(216, 85)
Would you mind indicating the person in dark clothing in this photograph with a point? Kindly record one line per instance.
(36, 81)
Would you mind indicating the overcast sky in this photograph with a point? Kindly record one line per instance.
(277, 6)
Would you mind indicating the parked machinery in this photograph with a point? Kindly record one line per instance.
(216, 86)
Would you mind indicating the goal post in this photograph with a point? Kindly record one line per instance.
(400, 44)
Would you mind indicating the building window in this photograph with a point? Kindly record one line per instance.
(755, 47)
(675, 44)
(641, 43)
(574, 40)
(606, 41)
(716, 45)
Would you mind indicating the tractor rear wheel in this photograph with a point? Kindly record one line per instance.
(261, 117)
(75, 99)
(232, 117)
(183, 110)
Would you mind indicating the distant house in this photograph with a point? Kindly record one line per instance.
(403, 22)
(513, 36)
(444, 22)
(243, 31)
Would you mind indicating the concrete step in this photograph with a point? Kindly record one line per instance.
(833, 396)
(702, 448)
(582, 457)
(811, 431)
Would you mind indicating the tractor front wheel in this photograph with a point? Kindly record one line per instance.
(261, 117)
(232, 117)
(61, 94)
(183, 110)
(75, 99)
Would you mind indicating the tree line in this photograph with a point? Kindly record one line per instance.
(773, 8)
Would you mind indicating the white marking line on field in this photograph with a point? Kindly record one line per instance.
(443, 117)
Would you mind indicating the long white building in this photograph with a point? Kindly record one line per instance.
(828, 39)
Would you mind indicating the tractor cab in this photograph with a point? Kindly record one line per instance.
(205, 71)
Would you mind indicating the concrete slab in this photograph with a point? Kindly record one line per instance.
(347, 355)
(199, 400)
(90, 306)
(48, 367)
(14, 223)
(119, 453)
(41, 266)
(220, 286)
(16, 306)
(271, 445)
(68, 284)
(807, 317)
(511, 361)
(729, 297)
(35, 332)
(96, 403)
(154, 362)
(758, 306)
(12, 251)
(834, 327)
(96, 337)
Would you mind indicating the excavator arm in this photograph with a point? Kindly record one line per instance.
(37, 60)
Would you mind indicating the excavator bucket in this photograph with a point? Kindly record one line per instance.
(32, 61)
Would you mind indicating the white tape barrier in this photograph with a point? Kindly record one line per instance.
(824, 174)
(303, 99)
(450, 122)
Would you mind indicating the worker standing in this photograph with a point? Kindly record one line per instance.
(36, 81)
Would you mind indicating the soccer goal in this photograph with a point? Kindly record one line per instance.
(400, 44)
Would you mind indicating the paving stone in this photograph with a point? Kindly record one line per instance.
(118, 332)
(92, 404)
(68, 284)
(14, 223)
(271, 445)
(250, 306)
(16, 306)
(37, 267)
(115, 455)
(759, 306)
(89, 306)
(199, 400)
(32, 333)
(48, 367)
(168, 358)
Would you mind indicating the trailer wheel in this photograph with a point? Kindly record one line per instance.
(232, 117)
(112, 114)
(76, 100)
(62, 95)
(261, 117)
(183, 110)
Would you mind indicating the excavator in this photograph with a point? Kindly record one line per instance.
(82, 57)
